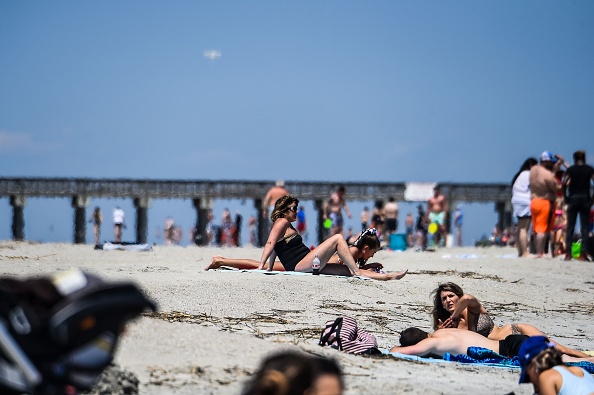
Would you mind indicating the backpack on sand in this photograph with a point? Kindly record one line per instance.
(344, 335)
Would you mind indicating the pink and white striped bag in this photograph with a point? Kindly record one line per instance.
(344, 335)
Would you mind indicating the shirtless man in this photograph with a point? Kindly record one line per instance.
(390, 218)
(272, 196)
(333, 208)
(415, 341)
(543, 192)
(437, 207)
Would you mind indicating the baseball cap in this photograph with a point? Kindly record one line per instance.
(528, 350)
(548, 156)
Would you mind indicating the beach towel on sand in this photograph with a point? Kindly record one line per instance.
(108, 246)
(486, 357)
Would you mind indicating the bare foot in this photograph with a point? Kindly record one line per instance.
(399, 275)
(215, 263)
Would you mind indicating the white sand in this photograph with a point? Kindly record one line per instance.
(225, 323)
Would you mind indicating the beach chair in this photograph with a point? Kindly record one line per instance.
(58, 335)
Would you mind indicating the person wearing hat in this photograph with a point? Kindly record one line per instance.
(543, 193)
(542, 365)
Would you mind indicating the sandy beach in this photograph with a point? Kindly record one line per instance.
(214, 327)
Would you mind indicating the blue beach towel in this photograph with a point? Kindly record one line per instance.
(484, 357)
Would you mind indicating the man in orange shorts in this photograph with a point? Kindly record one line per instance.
(543, 189)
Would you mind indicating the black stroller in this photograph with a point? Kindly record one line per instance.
(57, 334)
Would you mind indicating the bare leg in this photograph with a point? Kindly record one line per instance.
(239, 263)
(541, 239)
(338, 244)
(523, 226)
(568, 358)
(530, 330)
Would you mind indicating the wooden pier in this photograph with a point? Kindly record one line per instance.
(203, 192)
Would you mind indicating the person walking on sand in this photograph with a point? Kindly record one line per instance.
(97, 219)
(118, 223)
(576, 190)
(458, 221)
(333, 209)
(272, 196)
(543, 190)
(521, 205)
(365, 216)
(437, 207)
(391, 218)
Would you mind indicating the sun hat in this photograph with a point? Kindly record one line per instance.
(528, 350)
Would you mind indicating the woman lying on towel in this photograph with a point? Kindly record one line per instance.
(335, 255)
(452, 308)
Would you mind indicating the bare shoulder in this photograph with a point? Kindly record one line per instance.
(550, 378)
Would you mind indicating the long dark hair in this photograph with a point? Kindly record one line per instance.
(527, 165)
(367, 238)
(439, 312)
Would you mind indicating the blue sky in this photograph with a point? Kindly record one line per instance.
(428, 91)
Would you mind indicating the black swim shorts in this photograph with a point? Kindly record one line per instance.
(510, 346)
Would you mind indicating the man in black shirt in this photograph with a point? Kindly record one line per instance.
(576, 190)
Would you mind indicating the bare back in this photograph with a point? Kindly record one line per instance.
(449, 340)
(542, 183)
(457, 341)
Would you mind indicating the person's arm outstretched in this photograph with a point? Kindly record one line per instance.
(422, 348)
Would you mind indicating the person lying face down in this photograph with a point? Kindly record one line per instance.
(415, 341)
(452, 308)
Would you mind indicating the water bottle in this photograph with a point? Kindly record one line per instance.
(315, 265)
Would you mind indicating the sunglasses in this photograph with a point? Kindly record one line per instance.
(293, 209)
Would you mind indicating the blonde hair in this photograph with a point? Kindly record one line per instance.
(282, 205)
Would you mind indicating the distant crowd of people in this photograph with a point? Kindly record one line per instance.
(547, 201)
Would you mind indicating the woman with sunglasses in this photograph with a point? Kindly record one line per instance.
(285, 243)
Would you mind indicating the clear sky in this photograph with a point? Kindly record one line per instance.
(431, 91)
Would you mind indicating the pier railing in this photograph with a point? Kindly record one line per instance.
(240, 189)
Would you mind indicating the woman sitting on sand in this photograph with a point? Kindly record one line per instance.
(363, 248)
(452, 308)
(543, 366)
(285, 242)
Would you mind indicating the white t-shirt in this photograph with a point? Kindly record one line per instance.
(118, 216)
(521, 188)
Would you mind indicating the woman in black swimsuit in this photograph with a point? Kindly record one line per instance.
(285, 243)
(452, 308)
(362, 249)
